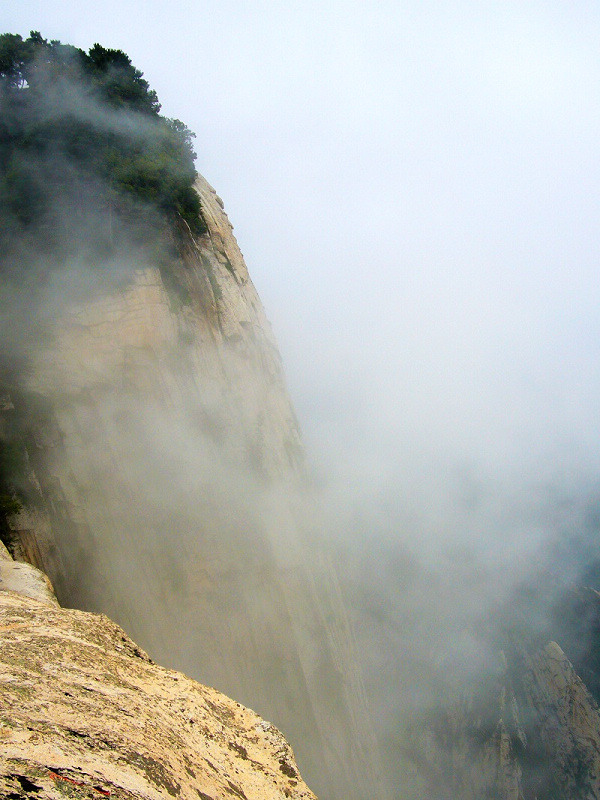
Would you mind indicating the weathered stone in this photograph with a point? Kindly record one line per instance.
(166, 467)
(532, 732)
(26, 579)
(85, 713)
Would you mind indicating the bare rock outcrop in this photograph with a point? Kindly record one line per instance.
(532, 732)
(26, 579)
(161, 471)
(568, 721)
(85, 713)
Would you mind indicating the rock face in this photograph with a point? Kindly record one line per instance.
(24, 578)
(162, 470)
(85, 713)
(532, 733)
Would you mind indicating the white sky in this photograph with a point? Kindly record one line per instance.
(415, 188)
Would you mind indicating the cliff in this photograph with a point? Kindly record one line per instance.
(530, 728)
(163, 484)
(163, 473)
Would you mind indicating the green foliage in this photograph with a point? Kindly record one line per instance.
(119, 82)
(72, 122)
(10, 505)
(13, 463)
(12, 474)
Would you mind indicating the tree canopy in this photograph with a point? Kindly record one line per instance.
(71, 119)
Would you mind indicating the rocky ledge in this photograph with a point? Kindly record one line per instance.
(85, 713)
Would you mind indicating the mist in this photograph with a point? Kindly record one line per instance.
(414, 191)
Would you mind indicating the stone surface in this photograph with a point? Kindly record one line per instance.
(27, 580)
(165, 477)
(568, 721)
(530, 733)
(85, 713)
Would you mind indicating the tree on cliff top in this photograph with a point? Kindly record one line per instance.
(70, 118)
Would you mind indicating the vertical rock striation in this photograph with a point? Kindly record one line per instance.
(165, 487)
(530, 733)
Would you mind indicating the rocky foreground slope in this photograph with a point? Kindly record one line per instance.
(85, 713)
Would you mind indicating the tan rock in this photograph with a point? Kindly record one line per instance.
(85, 713)
(166, 468)
(568, 720)
(27, 580)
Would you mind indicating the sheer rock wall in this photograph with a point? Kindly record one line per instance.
(166, 490)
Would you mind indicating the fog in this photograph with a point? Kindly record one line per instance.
(414, 188)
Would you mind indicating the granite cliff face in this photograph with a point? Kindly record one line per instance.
(163, 471)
